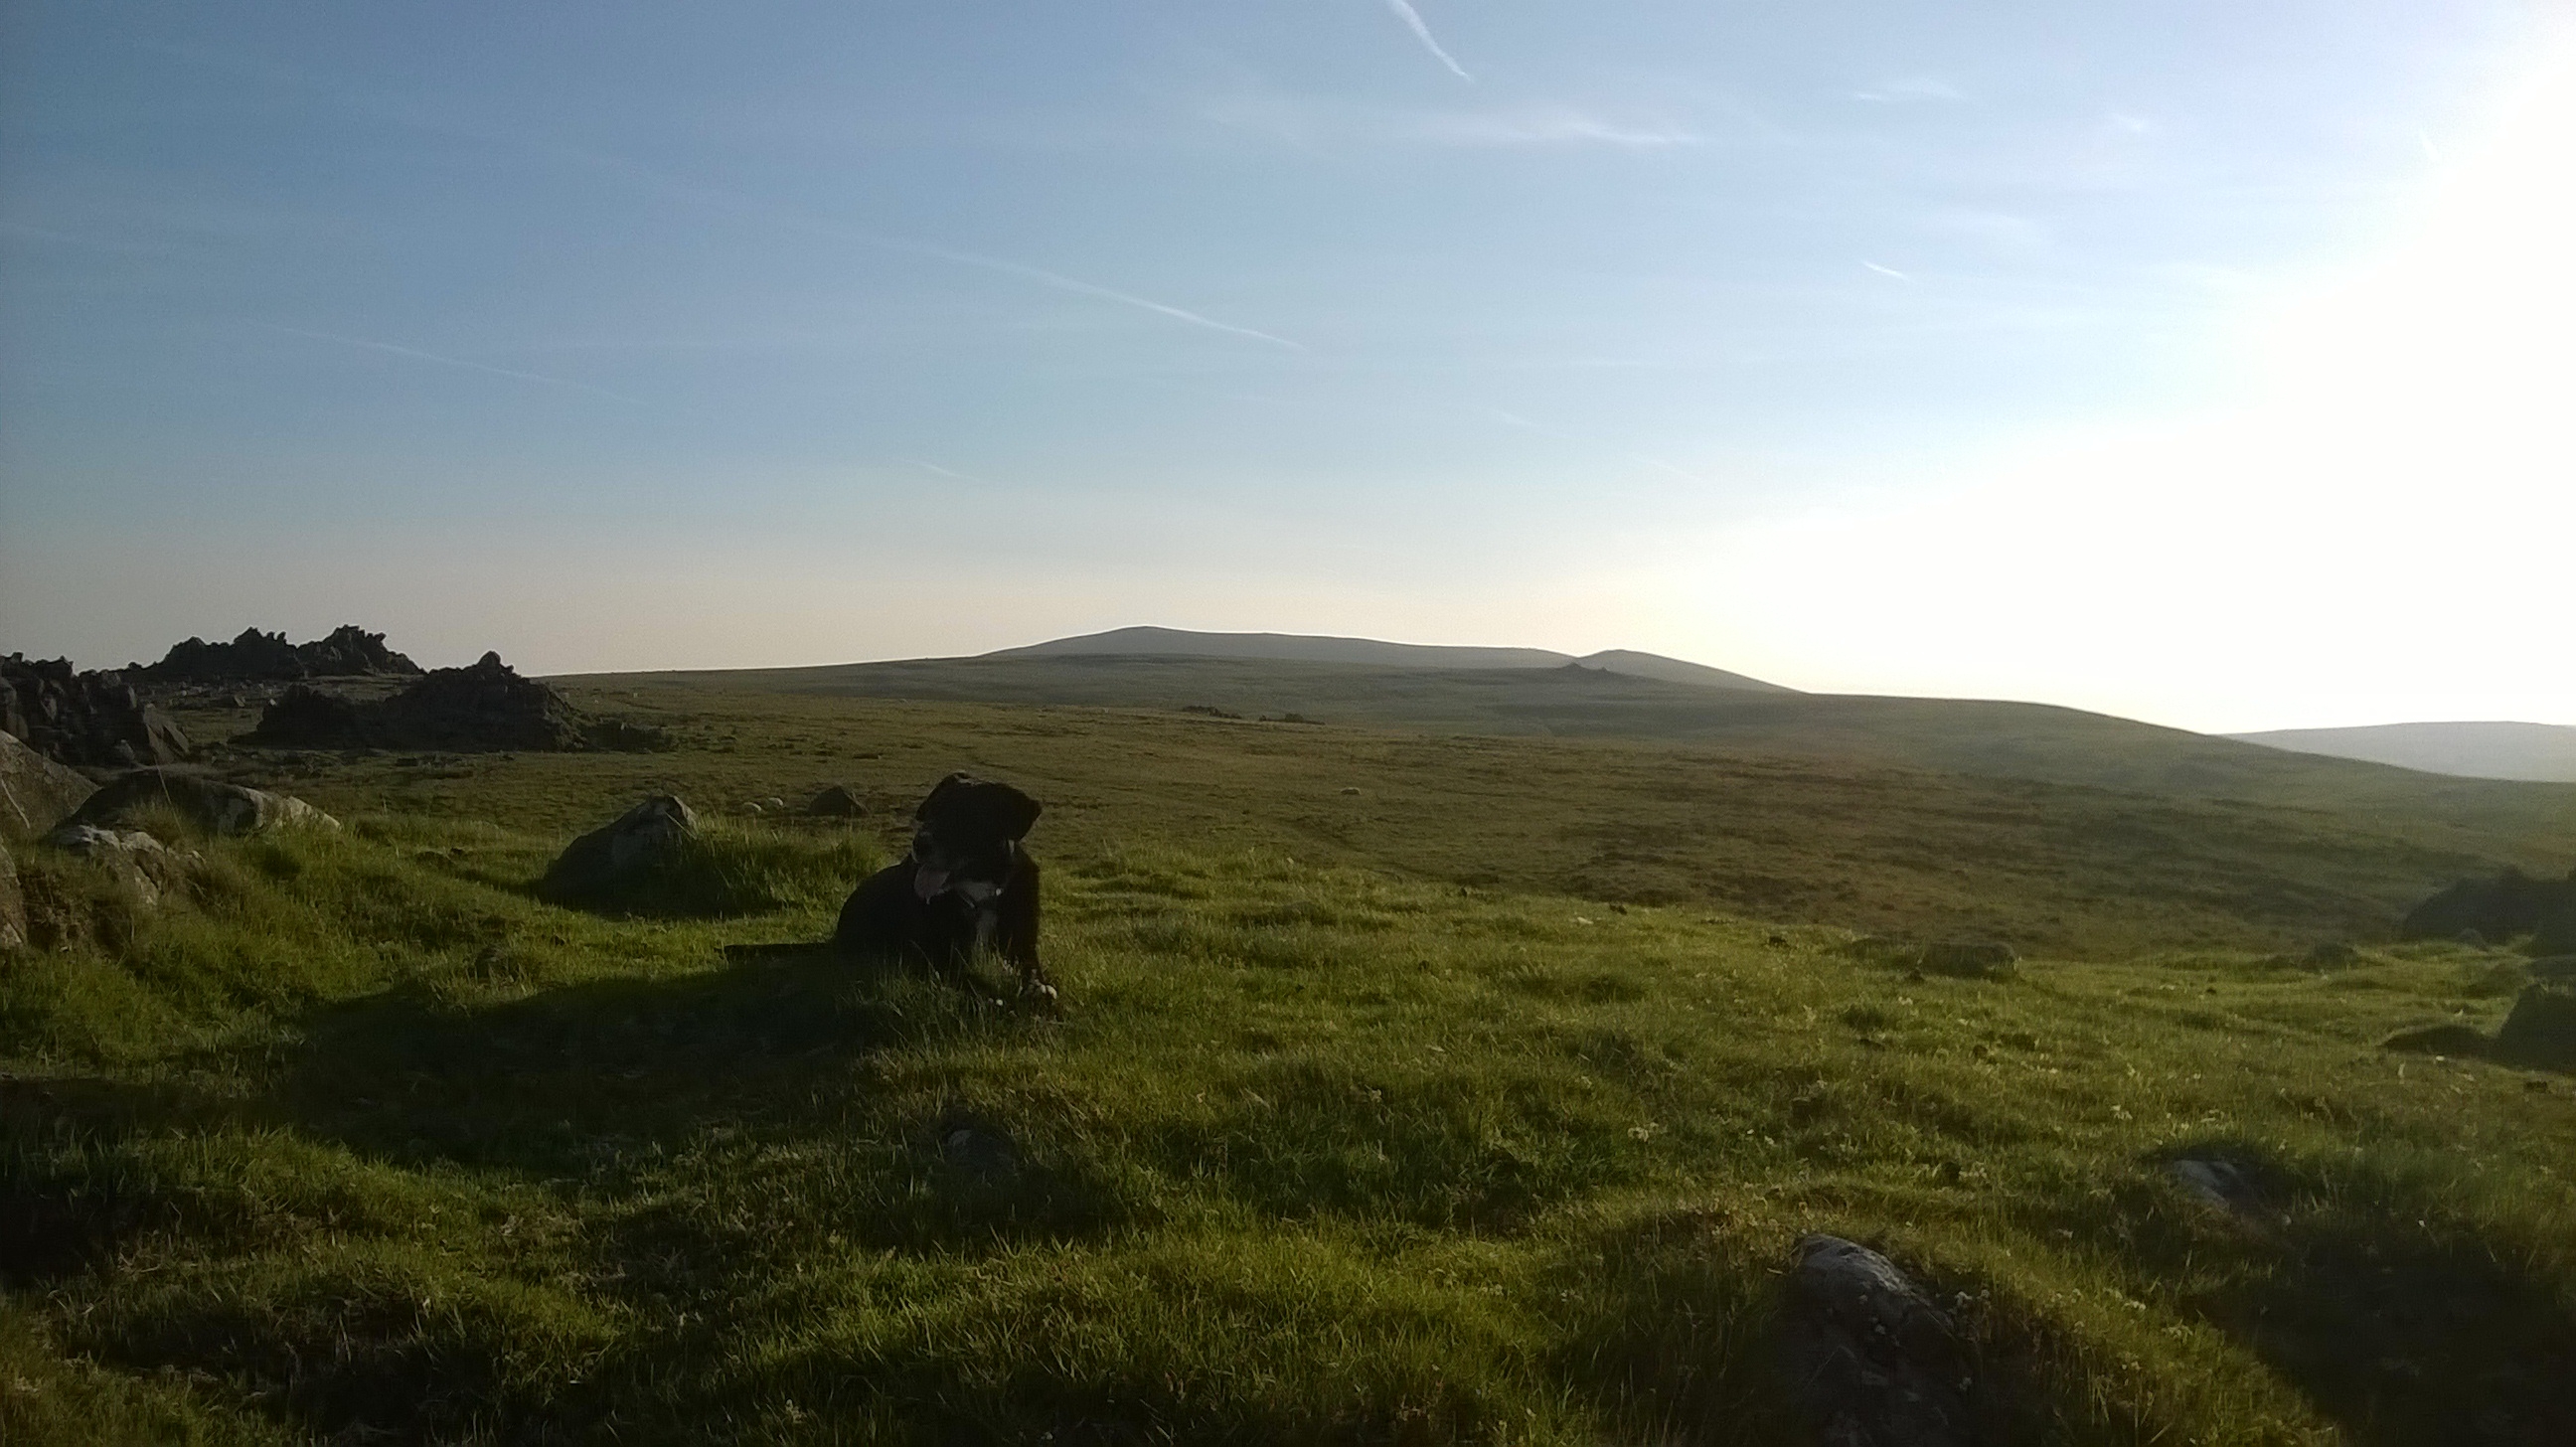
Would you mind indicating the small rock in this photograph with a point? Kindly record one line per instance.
(1869, 1360)
(2437, 1040)
(2214, 1182)
(839, 801)
(2333, 955)
(616, 855)
(1972, 959)
(142, 863)
(1350, 789)
(980, 1155)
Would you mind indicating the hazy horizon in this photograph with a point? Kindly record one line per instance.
(2188, 363)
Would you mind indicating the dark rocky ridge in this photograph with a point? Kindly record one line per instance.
(89, 720)
(267, 657)
(2509, 905)
(485, 708)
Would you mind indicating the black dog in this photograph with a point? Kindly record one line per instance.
(967, 886)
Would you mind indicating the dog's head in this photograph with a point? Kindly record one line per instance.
(968, 830)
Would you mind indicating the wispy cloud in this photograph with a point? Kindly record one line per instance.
(460, 363)
(1060, 282)
(1412, 19)
(1888, 271)
(1317, 121)
(437, 122)
(935, 470)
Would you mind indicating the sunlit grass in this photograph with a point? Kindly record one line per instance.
(369, 1135)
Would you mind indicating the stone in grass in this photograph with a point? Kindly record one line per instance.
(143, 864)
(1869, 1360)
(2215, 1182)
(206, 802)
(2541, 1031)
(1972, 959)
(980, 1155)
(620, 855)
(838, 801)
(2437, 1040)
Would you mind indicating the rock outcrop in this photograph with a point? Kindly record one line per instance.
(2510, 904)
(205, 802)
(267, 657)
(617, 859)
(35, 792)
(486, 708)
(1868, 1359)
(89, 720)
(143, 864)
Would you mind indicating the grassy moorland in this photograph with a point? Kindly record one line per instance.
(1479, 1105)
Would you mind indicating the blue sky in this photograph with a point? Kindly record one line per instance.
(1821, 341)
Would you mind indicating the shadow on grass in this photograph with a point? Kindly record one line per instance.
(2393, 1315)
(64, 1207)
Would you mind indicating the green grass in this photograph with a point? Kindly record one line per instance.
(1363, 1125)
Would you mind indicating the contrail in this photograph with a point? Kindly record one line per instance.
(1412, 19)
(950, 473)
(1887, 271)
(418, 355)
(1061, 282)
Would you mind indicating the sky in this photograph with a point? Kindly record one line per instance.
(2206, 363)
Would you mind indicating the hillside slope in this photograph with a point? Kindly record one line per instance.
(2526, 751)
(2023, 741)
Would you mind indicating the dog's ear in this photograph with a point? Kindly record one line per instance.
(1015, 811)
(947, 788)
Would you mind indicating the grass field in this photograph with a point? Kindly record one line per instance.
(1479, 1105)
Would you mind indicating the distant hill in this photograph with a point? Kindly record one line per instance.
(1990, 739)
(2542, 753)
(1309, 648)
(1673, 670)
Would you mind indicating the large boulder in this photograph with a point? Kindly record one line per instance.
(13, 906)
(35, 792)
(257, 656)
(207, 803)
(89, 720)
(486, 708)
(2541, 1031)
(620, 858)
(2512, 903)
(1869, 1360)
